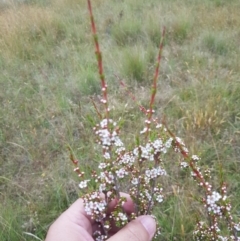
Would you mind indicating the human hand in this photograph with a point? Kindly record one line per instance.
(75, 225)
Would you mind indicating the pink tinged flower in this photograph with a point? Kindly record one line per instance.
(121, 173)
(148, 122)
(193, 174)
(106, 177)
(83, 184)
(102, 165)
(179, 140)
(103, 101)
(185, 149)
(128, 159)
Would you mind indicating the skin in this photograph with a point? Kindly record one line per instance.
(75, 225)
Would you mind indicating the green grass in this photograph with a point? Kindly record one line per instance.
(48, 73)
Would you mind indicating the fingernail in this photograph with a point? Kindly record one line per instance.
(149, 224)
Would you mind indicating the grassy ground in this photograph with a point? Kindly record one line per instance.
(48, 72)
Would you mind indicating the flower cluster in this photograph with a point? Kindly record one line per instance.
(140, 170)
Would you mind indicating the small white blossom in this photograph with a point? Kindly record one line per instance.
(213, 198)
(83, 184)
(106, 155)
(135, 181)
(121, 173)
(159, 198)
(122, 216)
(127, 158)
(168, 143)
(155, 172)
(102, 187)
(195, 158)
(102, 165)
(183, 164)
(158, 126)
(144, 130)
(211, 202)
(237, 226)
(106, 177)
(222, 238)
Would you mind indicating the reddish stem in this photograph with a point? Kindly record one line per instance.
(154, 86)
(75, 163)
(99, 60)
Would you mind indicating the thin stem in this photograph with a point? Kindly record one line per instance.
(75, 163)
(190, 161)
(156, 158)
(154, 86)
(99, 61)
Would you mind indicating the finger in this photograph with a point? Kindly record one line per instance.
(128, 206)
(71, 224)
(77, 210)
(141, 229)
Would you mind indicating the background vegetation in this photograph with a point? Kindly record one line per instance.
(48, 73)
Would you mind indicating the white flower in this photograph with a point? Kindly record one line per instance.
(122, 216)
(144, 130)
(159, 198)
(157, 144)
(106, 177)
(135, 181)
(83, 184)
(211, 199)
(106, 155)
(195, 158)
(118, 142)
(158, 126)
(211, 202)
(102, 187)
(237, 226)
(183, 164)
(155, 172)
(121, 173)
(127, 159)
(102, 165)
(222, 238)
(168, 143)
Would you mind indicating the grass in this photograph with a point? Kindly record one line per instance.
(48, 73)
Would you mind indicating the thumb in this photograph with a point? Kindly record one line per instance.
(141, 229)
